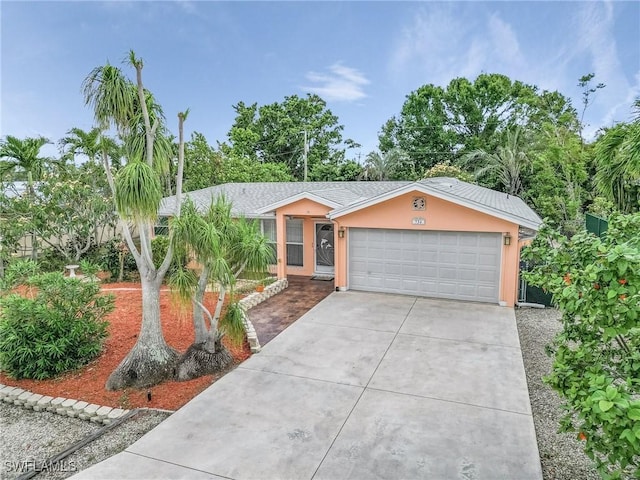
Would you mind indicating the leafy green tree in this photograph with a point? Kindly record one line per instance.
(439, 125)
(225, 248)
(244, 169)
(504, 168)
(340, 171)
(202, 164)
(137, 191)
(617, 159)
(558, 180)
(422, 129)
(276, 133)
(596, 369)
(72, 211)
(206, 166)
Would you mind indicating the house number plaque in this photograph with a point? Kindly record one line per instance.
(418, 221)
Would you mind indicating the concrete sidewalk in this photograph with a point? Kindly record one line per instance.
(363, 386)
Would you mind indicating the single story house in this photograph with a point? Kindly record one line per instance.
(438, 237)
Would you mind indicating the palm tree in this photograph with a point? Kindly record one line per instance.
(136, 188)
(617, 156)
(505, 165)
(23, 156)
(383, 166)
(225, 247)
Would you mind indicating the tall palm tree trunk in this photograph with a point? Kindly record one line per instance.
(151, 360)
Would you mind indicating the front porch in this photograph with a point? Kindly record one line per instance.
(278, 312)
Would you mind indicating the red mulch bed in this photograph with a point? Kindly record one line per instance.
(124, 324)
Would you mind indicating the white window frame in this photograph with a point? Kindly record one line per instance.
(289, 242)
(271, 241)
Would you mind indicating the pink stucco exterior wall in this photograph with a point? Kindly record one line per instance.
(397, 213)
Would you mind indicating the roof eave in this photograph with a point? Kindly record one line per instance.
(295, 198)
(340, 212)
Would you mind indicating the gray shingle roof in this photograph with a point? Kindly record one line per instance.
(250, 199)
(484, 197)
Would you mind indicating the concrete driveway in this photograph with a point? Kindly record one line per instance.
(363, 386)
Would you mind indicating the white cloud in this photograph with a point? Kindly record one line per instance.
(443, 43)
(595, 35)
(341, 83)
(430, 45)
(505, 42)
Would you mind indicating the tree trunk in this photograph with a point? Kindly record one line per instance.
(207, 354)
(151, 360)
(198, 314)
(204, 358)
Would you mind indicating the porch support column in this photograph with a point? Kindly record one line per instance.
(281, 245)
(340, 259)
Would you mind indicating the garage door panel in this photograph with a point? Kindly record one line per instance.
(467, 259)
(489, 241)
(428, 256)
(449, 289)
(428, 271)
(393, 269)
(484, 290)
(467, 275)
(447, 273)
(411, 270)
(428, 288)
(468, 241)
(462, 265)
(376, 267)
(487, 259)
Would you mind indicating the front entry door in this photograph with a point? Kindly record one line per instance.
(324, 248)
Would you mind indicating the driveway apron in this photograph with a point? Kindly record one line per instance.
(363, 386)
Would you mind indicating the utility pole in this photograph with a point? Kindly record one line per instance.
(306, 152)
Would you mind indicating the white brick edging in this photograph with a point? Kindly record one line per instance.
(59, 405)
(251, 301)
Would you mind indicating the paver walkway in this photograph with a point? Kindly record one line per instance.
(363, 386)
(275, 314)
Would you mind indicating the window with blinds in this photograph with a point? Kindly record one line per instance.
(268, 228)
(295, 246)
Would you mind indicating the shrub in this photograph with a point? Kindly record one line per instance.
(117, 259)
(596, 370)
(51, 260)
(57, 327)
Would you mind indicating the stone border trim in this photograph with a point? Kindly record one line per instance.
(251, 301)
(60, 405)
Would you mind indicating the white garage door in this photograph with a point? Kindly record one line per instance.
(459, 265)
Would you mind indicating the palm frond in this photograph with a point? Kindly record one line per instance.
(138, 191)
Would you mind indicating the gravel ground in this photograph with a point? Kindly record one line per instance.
(561, 454)
(28, 435)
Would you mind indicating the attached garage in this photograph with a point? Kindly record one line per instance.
(456, 265)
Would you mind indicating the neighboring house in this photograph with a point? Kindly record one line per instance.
(438, 237)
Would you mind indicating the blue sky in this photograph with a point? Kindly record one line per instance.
(363, 58)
